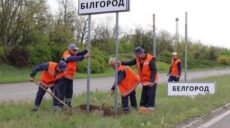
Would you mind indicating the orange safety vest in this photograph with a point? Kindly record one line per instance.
(48, 76)
(130, 82)
(174, 67)
(71, 67)
(145, 73)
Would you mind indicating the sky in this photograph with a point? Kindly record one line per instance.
(208, 20)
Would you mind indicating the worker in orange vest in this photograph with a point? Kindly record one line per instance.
(71, 57)
(51, 73)
(127, 83)
(147, 70)
(175, 68)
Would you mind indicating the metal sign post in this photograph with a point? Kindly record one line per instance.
(186, 43)
(116, 71)
(154, 37)
(89, 63)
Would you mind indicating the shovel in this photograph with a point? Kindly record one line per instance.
(106, 100)
(52, 95)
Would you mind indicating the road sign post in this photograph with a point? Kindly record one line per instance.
(154, 37)
(88, 7)
(186, 45)
(88, 63)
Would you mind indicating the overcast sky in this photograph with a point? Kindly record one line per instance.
(208, 20)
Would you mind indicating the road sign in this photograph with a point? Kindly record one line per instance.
(86, 7)
(190, 88)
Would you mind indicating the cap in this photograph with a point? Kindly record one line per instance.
(139, 50)
(73, 46)
(62, 65)
(174, 53)
(111, 61)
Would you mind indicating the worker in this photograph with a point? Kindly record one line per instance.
(127, 83)
(175, 68)
(71, 56)
(147, 70)
(51, 73)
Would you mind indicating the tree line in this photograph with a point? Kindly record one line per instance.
(30, 33)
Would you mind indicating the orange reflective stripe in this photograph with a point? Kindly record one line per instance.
(130, 82)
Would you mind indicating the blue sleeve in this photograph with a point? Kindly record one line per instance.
(38, 68)
(82, 53)
(121, 76)
(129, 63)
(179, 68)
(75, 58)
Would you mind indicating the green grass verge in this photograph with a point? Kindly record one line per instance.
(169, 111)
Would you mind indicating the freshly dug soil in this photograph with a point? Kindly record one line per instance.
(92, 108)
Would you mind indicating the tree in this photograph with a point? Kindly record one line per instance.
(18, 18)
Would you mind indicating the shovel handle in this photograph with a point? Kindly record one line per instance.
(106, 100)
(52, 95)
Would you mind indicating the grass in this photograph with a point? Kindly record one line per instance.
(10, 74)
(169, 111)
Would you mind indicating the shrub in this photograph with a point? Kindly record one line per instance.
(56, 52)
(19, 57)
(224, 60)
(40, 54)
(98, 62)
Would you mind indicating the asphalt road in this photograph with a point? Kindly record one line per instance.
(27, 91)
(223, 123)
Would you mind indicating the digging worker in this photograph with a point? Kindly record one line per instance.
(127, 83)
(51, 73)
(175, 68)
(71, 57)
(147, 71)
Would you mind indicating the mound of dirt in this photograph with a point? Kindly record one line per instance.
(83, 107)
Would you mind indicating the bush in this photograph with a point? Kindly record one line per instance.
(56, 52)
(165, 56)
(19, 57)
(224, 60)
(40, 54)
(98, 62)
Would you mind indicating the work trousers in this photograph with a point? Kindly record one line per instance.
(66, 90)
(41, 92)
(148, 96)
(125, 101)
(173, 79)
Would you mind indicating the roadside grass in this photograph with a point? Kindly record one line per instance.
(10, 74)
(169, 112)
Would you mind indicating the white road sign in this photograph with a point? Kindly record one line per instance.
(86, 7)
(190, 88)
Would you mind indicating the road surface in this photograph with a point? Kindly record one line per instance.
(223, 123)
(27, 91)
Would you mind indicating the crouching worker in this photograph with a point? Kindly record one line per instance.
(127, 83)
(51, 73)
